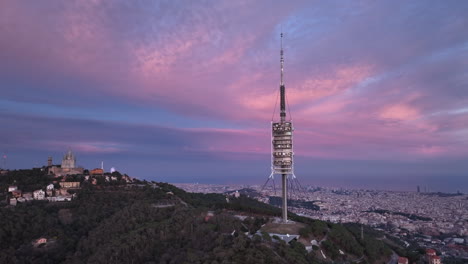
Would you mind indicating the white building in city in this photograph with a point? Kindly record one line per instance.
(39, 195)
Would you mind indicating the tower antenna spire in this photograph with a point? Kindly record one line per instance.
(282, 59)
(282, 88)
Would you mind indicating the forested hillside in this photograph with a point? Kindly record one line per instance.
(159, 223)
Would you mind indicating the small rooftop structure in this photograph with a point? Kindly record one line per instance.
(39, 241)
(96, 171)
(209, 215)
(402, 260)
(435, 260)
(70, 185)
(39, 194)
(16, 193)
(28, 196)
(430, 252)
(286, 238)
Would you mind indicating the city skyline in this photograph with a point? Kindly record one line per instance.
(184, 92)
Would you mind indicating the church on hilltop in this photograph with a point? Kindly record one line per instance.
(68, 166)
(69, 160)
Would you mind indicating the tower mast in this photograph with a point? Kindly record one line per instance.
(282, 153)
(284, 176)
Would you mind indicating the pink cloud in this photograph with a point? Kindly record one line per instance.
(399, 112)
(203, 68)
(341, 78)
(328, 107)
(157, 59)
(430, 150)
(308, 91)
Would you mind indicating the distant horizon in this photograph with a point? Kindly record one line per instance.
(400, 176)
(438, 183)
(337, 184)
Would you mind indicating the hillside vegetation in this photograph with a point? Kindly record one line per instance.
(159, 223)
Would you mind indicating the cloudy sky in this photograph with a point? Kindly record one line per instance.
(184, 91)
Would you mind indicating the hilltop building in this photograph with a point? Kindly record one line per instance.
(96, 171)
(70, 185)
(430, 252)
(16, 193)
(435, 260)
(69, 160)
(68, 166)
(431, 256)
(39, 194)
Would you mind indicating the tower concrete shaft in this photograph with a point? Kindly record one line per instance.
(284, 179)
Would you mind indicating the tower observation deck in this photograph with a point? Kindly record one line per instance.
(282, 154)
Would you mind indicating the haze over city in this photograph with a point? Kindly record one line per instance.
(182, 91)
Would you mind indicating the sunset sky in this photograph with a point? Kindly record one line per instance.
(184, 91)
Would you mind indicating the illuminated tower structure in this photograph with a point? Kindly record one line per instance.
(282, 154)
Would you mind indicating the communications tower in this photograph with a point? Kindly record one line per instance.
(282, 162)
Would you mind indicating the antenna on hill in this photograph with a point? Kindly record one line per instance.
(282, 148)
(4, 158)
